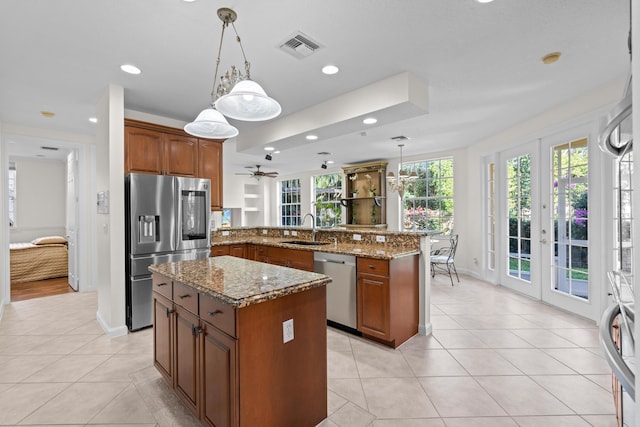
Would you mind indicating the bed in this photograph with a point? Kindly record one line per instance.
(43, 258)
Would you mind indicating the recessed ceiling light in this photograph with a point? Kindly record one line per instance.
(330, 69)
(311, 137)
(276, 152)
(93, 119)
(550, 58)
(330, 162)
(484, 1)
(370, 120)
(47, 114)
(131, 69)
(269, 148)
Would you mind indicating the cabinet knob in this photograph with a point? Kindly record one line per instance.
(214, 313)
(371, 266)
(196, 330)
(169, 311)
(161, 284)
(184, 296)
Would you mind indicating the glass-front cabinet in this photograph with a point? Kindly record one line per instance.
(365, 196)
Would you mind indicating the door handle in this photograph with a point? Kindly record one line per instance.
(543, 241)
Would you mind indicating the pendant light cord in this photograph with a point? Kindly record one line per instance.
(215, 76)
(246, 63)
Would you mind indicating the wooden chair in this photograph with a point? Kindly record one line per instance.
(443, 259)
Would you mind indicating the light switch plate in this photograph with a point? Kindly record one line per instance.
(357, 237)
(294, 233)
(380, 239)
(287, 331)
(264, 231)
(225, 233)
(286, 232)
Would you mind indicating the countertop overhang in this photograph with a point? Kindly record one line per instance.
(240, 282)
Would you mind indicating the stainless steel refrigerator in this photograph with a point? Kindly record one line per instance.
(167, 220)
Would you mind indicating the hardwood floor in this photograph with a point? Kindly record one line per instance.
(39, 289)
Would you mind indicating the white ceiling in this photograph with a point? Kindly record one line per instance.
(481, 63)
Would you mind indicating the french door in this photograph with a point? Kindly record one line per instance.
(519, 218)
(543, 215)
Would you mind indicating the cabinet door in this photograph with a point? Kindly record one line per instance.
(373, 305)
(143, 150)
(238, 251)
(261, 253)
(187, 330)
(218, 376)
(210, 166)
(163, 336)
(219, 250)
(180, 155)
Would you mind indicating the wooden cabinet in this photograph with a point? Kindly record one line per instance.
(227, 364)
(219, 250)
(293, 258)
(151, 149)
(161, 150)
(387, 295)
(366, 190)
(236, 250)
(210, 166)
(218, 373)
(163, 336)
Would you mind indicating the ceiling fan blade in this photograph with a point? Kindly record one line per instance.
(272, 174)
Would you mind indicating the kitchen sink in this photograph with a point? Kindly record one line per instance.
(305, 243)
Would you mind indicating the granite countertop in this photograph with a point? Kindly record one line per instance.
(240, 282)
(380, 251)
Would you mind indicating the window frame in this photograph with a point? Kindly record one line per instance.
(335, 195)
(290, 202)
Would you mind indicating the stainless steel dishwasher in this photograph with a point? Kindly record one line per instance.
(341, 292)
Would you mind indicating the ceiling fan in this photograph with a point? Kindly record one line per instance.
(257, 174)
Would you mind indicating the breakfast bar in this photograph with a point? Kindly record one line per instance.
(242, 343)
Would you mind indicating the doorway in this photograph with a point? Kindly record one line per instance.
(541, 245)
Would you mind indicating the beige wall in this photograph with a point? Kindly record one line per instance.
(41, 198)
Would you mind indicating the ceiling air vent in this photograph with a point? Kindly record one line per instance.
(44, 147)
(399, 138)
(299, 45)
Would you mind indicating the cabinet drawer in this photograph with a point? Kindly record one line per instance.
(373, 266)
(162, 285)
(220, 250)
(186, 297)
(220, 315)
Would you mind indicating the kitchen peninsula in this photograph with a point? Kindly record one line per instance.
(242, 343)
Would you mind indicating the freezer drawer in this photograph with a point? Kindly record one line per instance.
(140, 307)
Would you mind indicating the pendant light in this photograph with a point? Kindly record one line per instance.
(236, 96)
(398, 184)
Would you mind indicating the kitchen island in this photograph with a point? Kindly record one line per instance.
(242, 343)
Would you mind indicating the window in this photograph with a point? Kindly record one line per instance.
(428, 201)
(290, 202)
(328, 192)
(12, 194)
(519, 216)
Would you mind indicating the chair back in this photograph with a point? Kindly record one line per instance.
(454, 246)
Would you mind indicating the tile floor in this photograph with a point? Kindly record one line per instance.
(495, 359)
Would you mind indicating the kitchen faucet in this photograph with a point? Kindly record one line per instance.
(313, 224)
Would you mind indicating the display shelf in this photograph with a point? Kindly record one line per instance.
(366, 187)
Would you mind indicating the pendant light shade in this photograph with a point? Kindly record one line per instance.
(211, 124)
(248, 101)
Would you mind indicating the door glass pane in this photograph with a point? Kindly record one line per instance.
(491, 221)
(571, 217)
(519, 216)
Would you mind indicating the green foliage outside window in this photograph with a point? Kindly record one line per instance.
(428, 201)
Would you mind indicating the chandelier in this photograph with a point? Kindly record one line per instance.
(404, 178)
(235, 96)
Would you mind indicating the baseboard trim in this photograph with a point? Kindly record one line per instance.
(111, 332)
(425, 329)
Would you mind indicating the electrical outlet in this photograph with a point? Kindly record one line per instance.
(380, 239)
(294, 233)
(225, 233)
(264, 231)
(357, 237)
(287, 331)
(286, 232)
